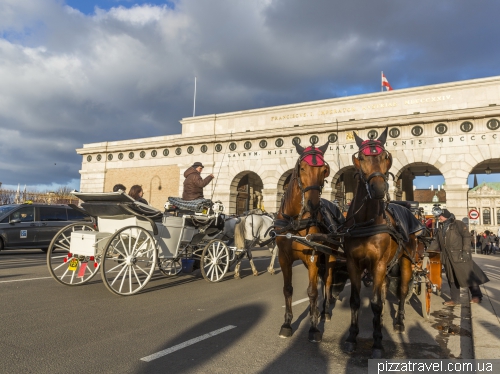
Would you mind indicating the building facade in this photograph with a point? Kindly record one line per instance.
(450, 129)
(485, 198)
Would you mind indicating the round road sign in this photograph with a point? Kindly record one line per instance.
(473, 214)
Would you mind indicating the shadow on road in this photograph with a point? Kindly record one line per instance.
(201, 355)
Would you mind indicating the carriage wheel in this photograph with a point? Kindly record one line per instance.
(214, 261)
(129, 260)
(64, 268)
(170, 267)
(425, 291)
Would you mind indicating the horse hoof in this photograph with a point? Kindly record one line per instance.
(237, 276)
(326, 317)
(255, 273)
(350, 347)
(377, 353)
(285, 332)
(315, 336)
(399, 328)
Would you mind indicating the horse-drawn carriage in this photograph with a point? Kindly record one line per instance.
(129, 240)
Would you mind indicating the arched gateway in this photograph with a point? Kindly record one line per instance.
(450, 129)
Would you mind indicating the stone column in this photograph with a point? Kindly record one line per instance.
(407, 185)
(349, 185)
(328, 192)
(393, 189)
(456, 199)
(270, 198)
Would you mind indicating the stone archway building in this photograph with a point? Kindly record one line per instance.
(445, 129)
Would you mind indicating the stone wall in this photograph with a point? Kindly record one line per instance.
(150, 178)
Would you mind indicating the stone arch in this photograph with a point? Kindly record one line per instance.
(343, 186)
(282, 185)
(245, 192)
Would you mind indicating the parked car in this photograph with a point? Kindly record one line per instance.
(34, 225)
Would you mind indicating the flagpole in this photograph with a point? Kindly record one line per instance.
(381, 81)
(194, 100)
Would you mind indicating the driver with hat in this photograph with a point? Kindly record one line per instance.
(194, 183)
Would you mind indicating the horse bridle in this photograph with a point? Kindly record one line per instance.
(366, 181)
(306, 208)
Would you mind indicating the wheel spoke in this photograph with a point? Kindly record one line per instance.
(119, 273)
(136, 277)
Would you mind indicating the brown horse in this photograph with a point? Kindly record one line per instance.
(373, 243)
(300, 215)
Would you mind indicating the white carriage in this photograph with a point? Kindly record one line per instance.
(129, 240)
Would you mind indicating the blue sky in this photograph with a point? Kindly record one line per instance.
(88, 6)
(75, 72)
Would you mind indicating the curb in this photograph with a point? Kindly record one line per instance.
(485, 327)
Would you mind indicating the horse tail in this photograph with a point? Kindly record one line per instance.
(239, 233)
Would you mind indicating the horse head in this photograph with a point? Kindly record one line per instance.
(372, 163)
(311, 170)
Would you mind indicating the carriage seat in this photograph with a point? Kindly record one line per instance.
(406, 222)
(411, 205)
(332, 215)
(192, 205)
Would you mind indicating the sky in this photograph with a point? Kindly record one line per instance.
(82, 71)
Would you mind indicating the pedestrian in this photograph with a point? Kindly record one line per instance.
(136, 193)
(194, 183)
(453, 240)
(485, 242)
(493, 243)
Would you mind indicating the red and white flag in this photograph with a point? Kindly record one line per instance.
(385, 83)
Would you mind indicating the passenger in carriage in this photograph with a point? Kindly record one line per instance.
(118, 187)
(194, 183)
(136, 193)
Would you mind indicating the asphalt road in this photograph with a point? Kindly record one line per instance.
(199, 327)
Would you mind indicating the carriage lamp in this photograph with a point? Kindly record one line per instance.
(427, 172)
(488, 170)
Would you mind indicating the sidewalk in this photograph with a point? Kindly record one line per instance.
(486, 315)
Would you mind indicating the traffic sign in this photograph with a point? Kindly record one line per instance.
(473, 214)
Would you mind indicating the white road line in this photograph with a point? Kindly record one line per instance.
(167, 351)
(261, 259)
(491, 266)
(307, 299)
(22, 280)
(298, 302)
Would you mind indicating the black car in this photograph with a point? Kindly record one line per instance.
(34, 225)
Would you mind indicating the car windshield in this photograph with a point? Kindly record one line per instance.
(6, 208)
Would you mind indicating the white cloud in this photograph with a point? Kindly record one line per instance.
(69, 78)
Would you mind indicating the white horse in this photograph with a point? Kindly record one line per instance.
(252, 231)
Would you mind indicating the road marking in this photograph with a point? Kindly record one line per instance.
(167, 351)
(298, 302)
(22, 280)
(491, 266)
(307, 299)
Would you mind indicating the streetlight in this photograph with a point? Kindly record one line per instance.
(427, 172)
(488, 170)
